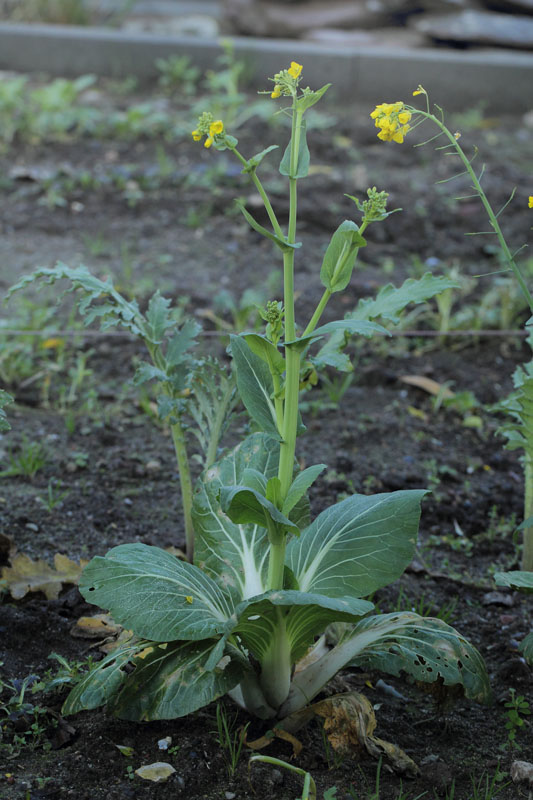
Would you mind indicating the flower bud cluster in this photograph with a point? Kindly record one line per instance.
(286, 81)
(376, 206)
(273, 316)
(392, 119)
(208, 127)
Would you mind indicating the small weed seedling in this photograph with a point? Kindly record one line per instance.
(230, 740)
(517, 709)
(27, 462)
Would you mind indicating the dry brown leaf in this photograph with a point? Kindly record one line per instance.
(265, 741)
(428, 385)
(95, 627)
(25, 575)
(350, 722)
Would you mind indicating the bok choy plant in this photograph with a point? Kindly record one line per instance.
(265, 580)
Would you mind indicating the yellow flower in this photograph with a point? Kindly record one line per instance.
(208, 142)
(391, 119)
(216, 127)
(403, 117)
(419, 90)
(196, 135)
(52, 344)
(530, 204)
(276, 92)
(295, 70)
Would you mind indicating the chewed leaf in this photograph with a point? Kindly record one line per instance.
(25, 575)
(390, 301)
(100, 684)
(424, 647)
(172, 681)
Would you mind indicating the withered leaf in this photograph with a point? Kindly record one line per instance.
(428, 385)
(25, 575)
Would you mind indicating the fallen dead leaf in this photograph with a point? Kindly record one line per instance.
(428, 385)
(268, 738)
(95, 627)
(157, 772)
(25, 575)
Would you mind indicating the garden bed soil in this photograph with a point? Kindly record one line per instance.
(116, 464)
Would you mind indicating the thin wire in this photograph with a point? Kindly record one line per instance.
(208, 334)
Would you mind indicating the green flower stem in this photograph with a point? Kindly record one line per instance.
(180, 447)
(527, 553)
(487, 206)
(184, 471)
(264, 197)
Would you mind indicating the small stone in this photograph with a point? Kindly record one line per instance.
(165, 743)
(31, 526)
(229, 795)
(153, 466)
(128, 501)
(522, 772)
(478, 27)
(498, 599)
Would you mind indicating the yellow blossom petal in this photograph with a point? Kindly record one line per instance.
(276, 92)
(216, 127)
(419, 90)
(196, 135)
(295, 70)
(208, 142)
(403, 117)
(530, 204)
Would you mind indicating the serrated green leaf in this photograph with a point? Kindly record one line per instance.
(255, 385)
(283, 244)
(342, 327)
(340, 256)
(300, 485)
(157, 318)
(102, 682)
(5, 399)
(266, 351)
(154, 594)
(181, 342)
(254, 161)
(304, 157)
(424, 647)
(147, 372)
(358, 545)
(517, 579)
(390, 301)
(173, 681)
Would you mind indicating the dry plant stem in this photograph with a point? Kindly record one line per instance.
(527, 554)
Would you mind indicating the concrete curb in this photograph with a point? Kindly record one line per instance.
(456, 79)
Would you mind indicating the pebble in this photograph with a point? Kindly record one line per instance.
(153, 466)
(31, 526)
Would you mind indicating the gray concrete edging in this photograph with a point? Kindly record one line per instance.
(456, 79)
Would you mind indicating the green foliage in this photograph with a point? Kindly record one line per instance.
(5, 400)
(229, 739)
(27, 461)
(517, 708)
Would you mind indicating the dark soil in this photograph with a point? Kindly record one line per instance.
(116, 464)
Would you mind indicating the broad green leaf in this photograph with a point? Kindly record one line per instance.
(340, 256)
(155, 594)
(424, 647)
(255, 385)
(303, 157)
(254, 161)
(5, 399)
(172, 681)
(358, 545)
(245, 505)
(266, 351)
(390, 301)
(283, 244)
(235, 556)
(306, 615)
(518, 579)
(103, 681)
(300, 485)
(526, 647)
(311, 98)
